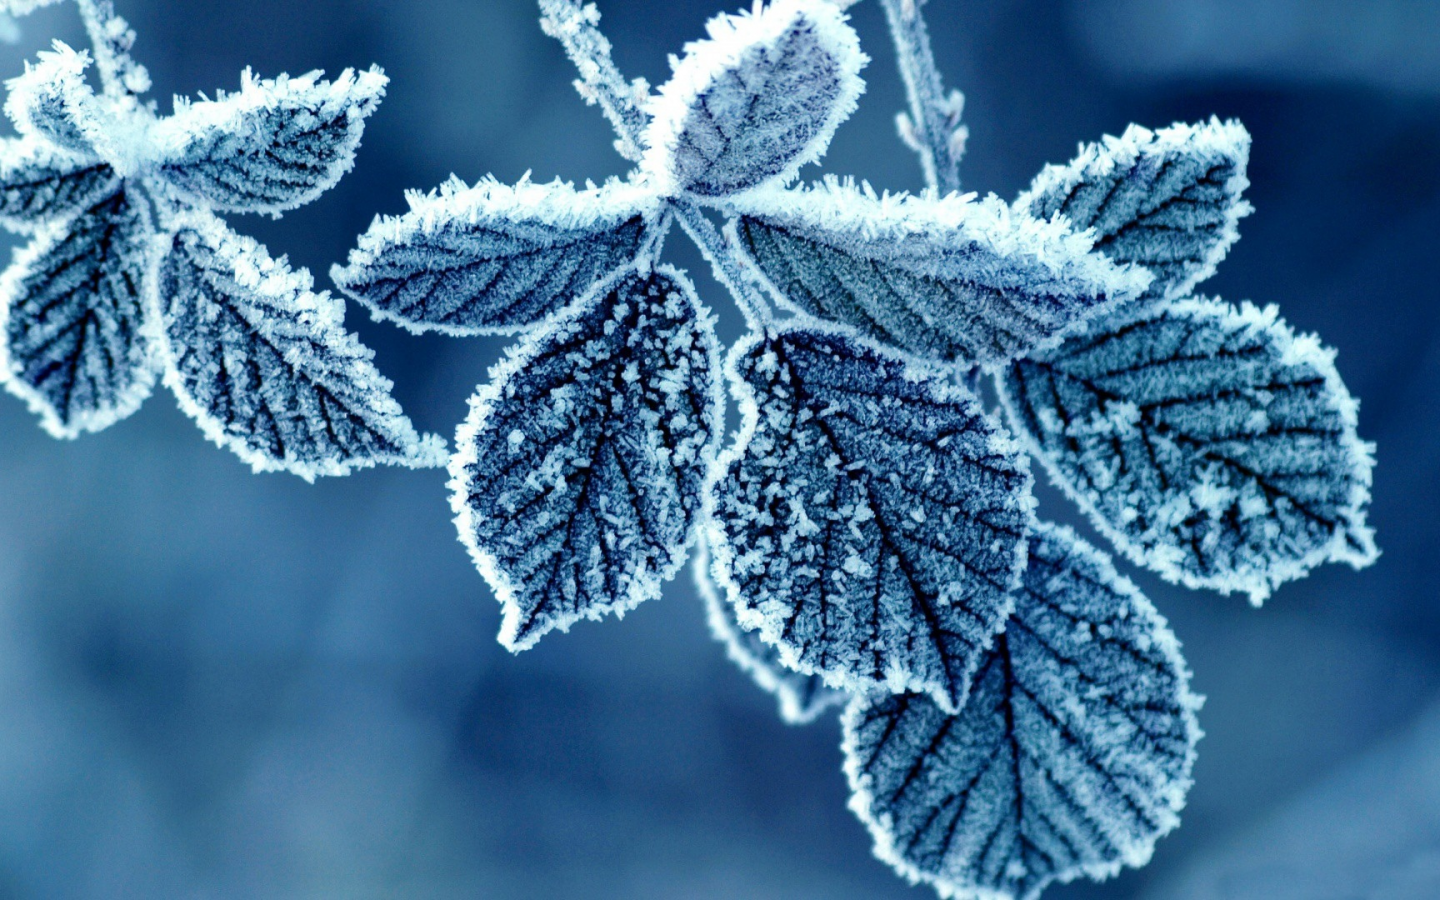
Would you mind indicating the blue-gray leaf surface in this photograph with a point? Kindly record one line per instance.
(272, 146)
(802, 698)
(77, 344)
(265, 366)
(754, 102)
(578, 475)
(1211, 444)
(493, 258)
(1071, 757)
(950, 279)
(38, 183)
(871, 520)
(1169, 200)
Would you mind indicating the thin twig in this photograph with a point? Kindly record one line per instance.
(110, 42)
(933, 126)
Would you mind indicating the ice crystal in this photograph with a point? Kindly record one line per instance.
(129, 275)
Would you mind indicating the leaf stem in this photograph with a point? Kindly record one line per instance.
(728, 268)
(932, 128)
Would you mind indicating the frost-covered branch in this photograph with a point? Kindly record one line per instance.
(932, 128)
(576, 26)
(111, 40)
(729, 269)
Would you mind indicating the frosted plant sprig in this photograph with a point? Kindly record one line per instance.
(1017, 712)
(130, 276)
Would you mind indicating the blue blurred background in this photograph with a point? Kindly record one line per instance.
(215, 684)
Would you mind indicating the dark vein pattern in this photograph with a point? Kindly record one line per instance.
(948, 280)
(871, 520)
(265, 366)
(272, 146)
(1071, 757)
(578, 475)
(1168, 200)
(756, 101)
(492, 258)
(78, 348)
(38, 182)
(1211, 444)
(802, 698)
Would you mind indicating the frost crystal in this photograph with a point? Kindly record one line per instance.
(756, 101)
(272, 146)
(950, 279)
(871, 520)
(803, 698)
(577, 477)
(263, 364)
(494, 258)
(1211, 444)
(1071, 757)
(1168, 200)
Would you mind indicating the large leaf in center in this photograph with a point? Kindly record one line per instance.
(579, 472)
(871, 522)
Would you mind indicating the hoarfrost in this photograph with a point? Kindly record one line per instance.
(40, 182)
(78, 345)
(802, 698)
(949, 279)
(494, 258)
(1071, 757)
(756, 101)
(265, 367)
(813, 532)
(271, 146)
(594, 507)
(1169, 200)
(1211, 444)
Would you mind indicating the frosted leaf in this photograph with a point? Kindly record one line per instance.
(1168, 200)
(1071, 757)
(577, 476)
(273, 145)
(39, 183)
(949, 279)
(1213, 445)
(52, 100)
(265, 366)
(494, 258)
(78, 346)
(871, 520)
(756, 101)
(803, 698)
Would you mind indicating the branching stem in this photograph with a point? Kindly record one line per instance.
(110, 42)
(933, 126)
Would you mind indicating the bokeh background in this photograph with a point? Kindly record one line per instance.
(215, 684)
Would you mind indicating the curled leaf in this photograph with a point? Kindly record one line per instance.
(577, 476)
(756, 101)
(271, 146)
(871, 520)
(493, 258)
(1071, 757)
(265, 366)
(949, 279)
(78, 343)
(1169, 200)
(1213, 445)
